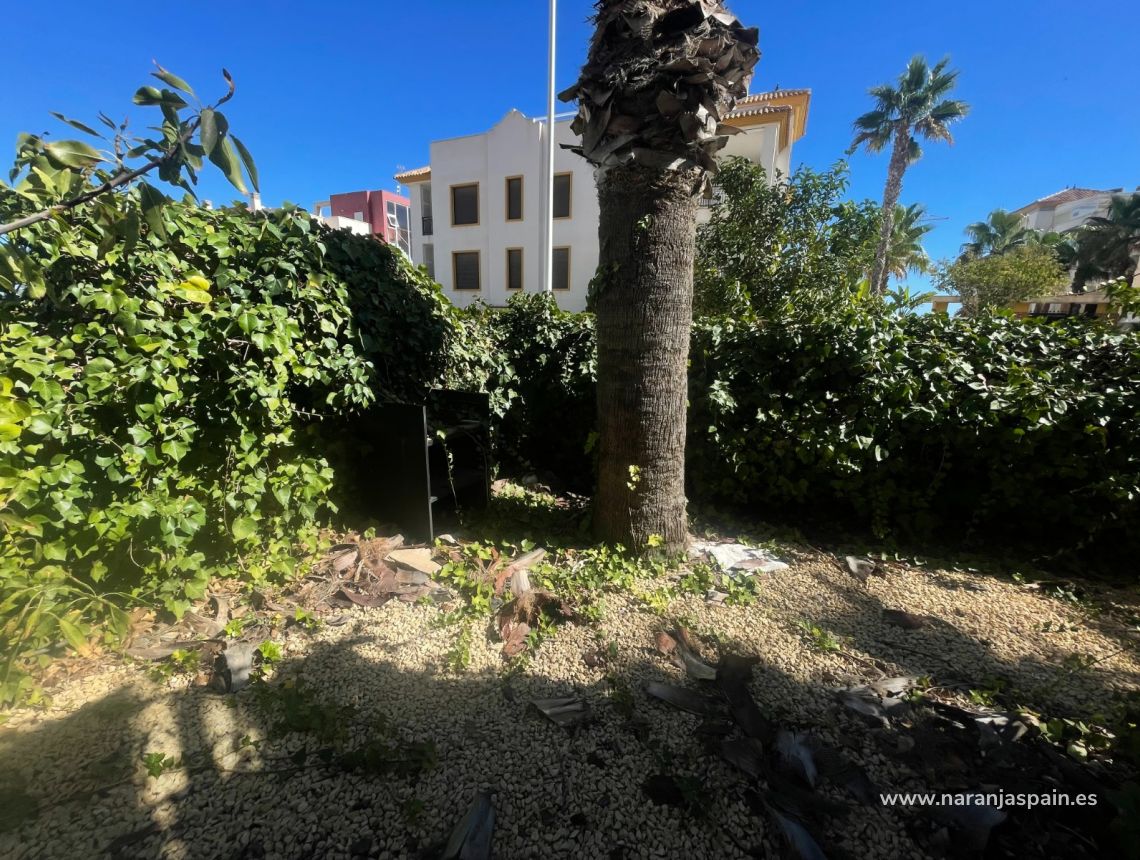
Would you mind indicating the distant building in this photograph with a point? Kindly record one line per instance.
(477, 209)
(1094, 303)
(1066, 209)
(384, 214)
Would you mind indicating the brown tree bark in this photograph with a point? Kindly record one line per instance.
(891, 192)
(644, 302)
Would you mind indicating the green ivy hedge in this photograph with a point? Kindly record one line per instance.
(160, 410)
(1009, 431)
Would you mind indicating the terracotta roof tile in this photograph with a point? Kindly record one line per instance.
(774, 94)
(1065, 195)
(414, 174)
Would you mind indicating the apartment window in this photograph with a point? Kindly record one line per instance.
(359, 216)
(426, 226)
(465, 270)
(561, 269)
(514, 198)
(429, 260)
(514, 268)
(464, 204)
(562, 183)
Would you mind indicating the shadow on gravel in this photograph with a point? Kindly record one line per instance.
(345, 754)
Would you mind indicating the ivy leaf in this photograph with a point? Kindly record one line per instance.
(175, 449)
(172, 79)
(243, 527)
(72, 153)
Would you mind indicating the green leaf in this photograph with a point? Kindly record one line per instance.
(175, 449)
(119, 621)
(192, 295)
(72, 153)
(208, 130)
(73, 635)
(9, 432)
(172, 79)
(247, 160)
(147, 96)
(243, 527)
(226, 159)
(76, 124)
(152, 202)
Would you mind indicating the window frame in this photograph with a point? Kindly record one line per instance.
(569, 269)
(455, 271)
(507, 199)
(569, 174)
(451, 203)
(522, 276)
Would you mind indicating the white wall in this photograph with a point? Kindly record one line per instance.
(515, 147)
(339, 222)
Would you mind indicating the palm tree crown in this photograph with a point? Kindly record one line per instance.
(906, 253)
(1110, 244)
(916, 105)
(997, 234)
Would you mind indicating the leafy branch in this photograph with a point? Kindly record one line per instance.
(54, 176)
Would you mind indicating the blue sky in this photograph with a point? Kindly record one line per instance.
(335, 97)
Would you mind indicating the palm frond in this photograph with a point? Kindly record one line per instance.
(933, 130)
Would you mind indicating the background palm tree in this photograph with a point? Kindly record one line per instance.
(915, 107)
(905, 253)
(658, 77)
(1109, 244)
(997, 234)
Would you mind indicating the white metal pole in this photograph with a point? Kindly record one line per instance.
(548, 226)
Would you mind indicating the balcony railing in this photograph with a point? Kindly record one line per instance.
(713, 199)
(427, 225)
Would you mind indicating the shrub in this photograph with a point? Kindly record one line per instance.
(1011, 431)
(545, 377)
(767, 246)
(160, 410)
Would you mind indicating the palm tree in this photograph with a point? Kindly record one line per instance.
(1109, 244)
(915, 108)
(997, 234)
(658, 76)
(906, 253)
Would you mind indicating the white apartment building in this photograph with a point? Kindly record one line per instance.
(1066, 209)
(477, 208)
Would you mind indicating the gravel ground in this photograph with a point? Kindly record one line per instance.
(245, 791)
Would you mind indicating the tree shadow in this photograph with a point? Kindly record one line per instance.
(362, 746)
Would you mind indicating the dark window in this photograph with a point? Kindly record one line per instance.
(465, 266)
(562, 195)
(464, 204)
(514, 198)
(561, 268)
(514, 268)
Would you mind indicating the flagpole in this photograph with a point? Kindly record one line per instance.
(548, 226)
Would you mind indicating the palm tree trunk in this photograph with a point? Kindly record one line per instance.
(644, 299)
(891, 192)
